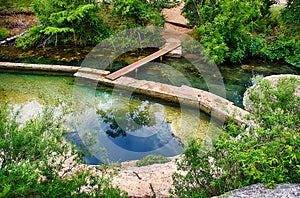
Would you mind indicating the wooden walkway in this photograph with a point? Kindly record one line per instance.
(135, 65)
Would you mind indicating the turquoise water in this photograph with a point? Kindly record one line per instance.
(127, 127)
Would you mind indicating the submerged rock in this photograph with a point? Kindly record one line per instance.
(254, 68)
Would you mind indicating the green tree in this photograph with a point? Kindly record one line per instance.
(15, 5)
(36, 161)
(235, 30)
(227, 28)
(66, 22)
(87, 22)
(267, 152)
(135, 13)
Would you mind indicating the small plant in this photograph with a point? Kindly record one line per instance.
(152, 159)
(4, 33)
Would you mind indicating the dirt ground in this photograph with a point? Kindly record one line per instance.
(17, 22)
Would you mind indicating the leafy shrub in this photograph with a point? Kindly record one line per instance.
(152, 159)
(267, 152)
(33, 161)
(225, 28)
(291, 13)
(135, 13)
(278, 100)
(279, 50)
(235, 30)
(282, 46)
(66, 22)
(87, 22)
(4, 33)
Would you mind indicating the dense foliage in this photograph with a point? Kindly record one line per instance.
(66, 22)
(291, 14)
(36, 161)
(235, 30)
(87, 22)
(267, 152)
(137, 12)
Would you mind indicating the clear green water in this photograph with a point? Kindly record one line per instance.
(128, 128)
(237, 78)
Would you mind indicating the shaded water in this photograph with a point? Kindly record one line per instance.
(48, 55)
(237, 78)
(128, 128)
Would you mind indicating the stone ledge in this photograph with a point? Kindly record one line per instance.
(208, 102)
(42, 67)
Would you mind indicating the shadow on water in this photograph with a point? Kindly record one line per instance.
(137, 120)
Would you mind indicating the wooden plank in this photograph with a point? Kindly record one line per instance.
(135, 65)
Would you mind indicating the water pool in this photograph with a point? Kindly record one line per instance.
(128, 128)
(237, 78)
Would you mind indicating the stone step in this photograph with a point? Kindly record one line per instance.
(90, 76)
(93, 71)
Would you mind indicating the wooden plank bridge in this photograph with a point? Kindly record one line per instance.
(169, 47)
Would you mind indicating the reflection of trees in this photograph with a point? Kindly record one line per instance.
(114, 129)
(137, 117)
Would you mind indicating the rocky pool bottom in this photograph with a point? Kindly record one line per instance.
(127, 128)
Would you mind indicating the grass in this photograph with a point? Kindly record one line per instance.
(152, 159)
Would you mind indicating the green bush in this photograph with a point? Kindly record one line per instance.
(283, 49)
(33, 157)
(276, 107)
(87, 22)
(225, 28)
(152, 159)
(136, 13)
(267, 152)
(236, 30)
(66, 22)
(291, 13)
(4, 33)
